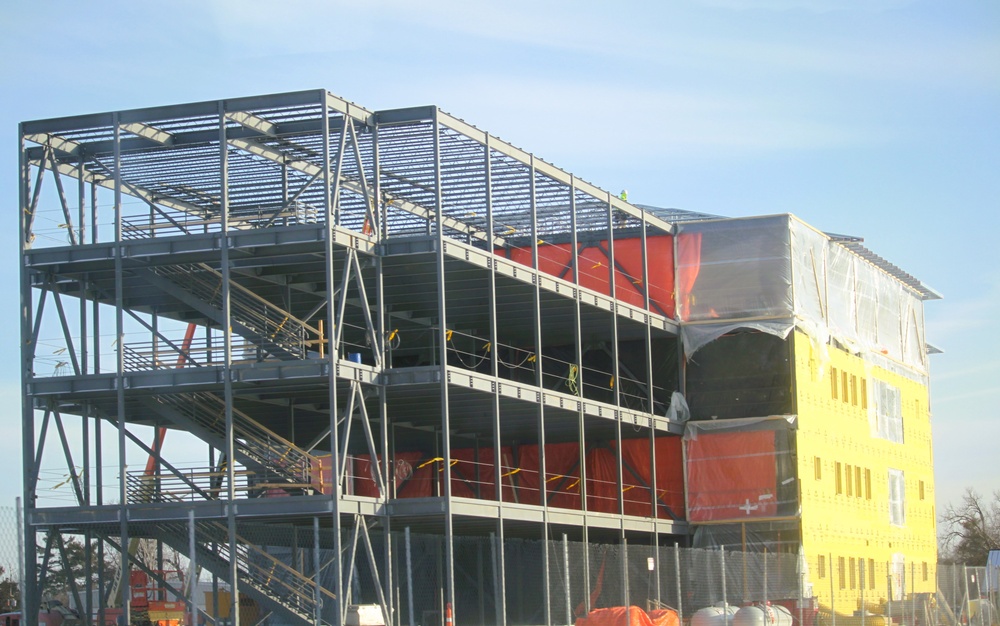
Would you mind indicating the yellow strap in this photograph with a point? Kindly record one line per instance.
(511, 472)
(426, 463)
(448, 334)
(611, 383)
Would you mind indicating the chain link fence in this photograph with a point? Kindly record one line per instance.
(10, 551)
(521, 579)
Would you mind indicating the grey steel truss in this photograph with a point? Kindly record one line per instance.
(333, 300)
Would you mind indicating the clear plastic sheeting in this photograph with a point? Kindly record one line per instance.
(866, 310)
(734, 268)
(678, 410)
(774, 273)
(696, 336)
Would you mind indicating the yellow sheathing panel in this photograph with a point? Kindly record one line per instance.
(842, 525)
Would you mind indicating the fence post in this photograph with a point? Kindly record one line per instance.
(861, 571)
(979, 596)
(965, 583)
(725, 598)
(409, 572)
(20, 555)
(627, 601)
(763, 598)
(802, 584)
(318, 565)
(677, 573)
(888, 581)
(569, 609)
(902, 593)
(192, 571)
(833, 601)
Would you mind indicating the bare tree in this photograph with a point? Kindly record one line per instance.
(970, 529)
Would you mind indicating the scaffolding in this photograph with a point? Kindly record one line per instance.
(375, 322)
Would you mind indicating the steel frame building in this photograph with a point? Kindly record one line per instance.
(307, 286)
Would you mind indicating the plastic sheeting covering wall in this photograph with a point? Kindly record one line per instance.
(473, 475)
(595, 273)
(866, 309)
(774, 273)
(739, 469)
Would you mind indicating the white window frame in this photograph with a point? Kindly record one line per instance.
(897, 497)
(887, 409)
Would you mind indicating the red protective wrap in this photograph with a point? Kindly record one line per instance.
(669, 476)
(473, 476)
(688, 266)
(629, 616)
(556, 259)
(731, 476)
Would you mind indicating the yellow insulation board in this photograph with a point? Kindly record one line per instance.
(852, 535)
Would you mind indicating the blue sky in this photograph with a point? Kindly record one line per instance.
(877, 118)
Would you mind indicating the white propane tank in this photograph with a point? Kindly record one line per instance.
(713, 616)
(758, 615)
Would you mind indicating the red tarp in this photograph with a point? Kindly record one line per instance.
(688, 266)
(555, 259)
(731, 476)
(418, 476)
(629, 616)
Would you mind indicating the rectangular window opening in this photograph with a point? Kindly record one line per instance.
(888, 412)
(841, 572)
(833, 383)
(864, 393)
(843, 387)
(857, 481)
(818, 468)
(854, 572)
(897, 498)
(839, 479)
(821, 566)
(868, 484)
(849, 475)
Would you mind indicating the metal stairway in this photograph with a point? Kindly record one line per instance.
(259, 321)
(280, 462)
(266, 579)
